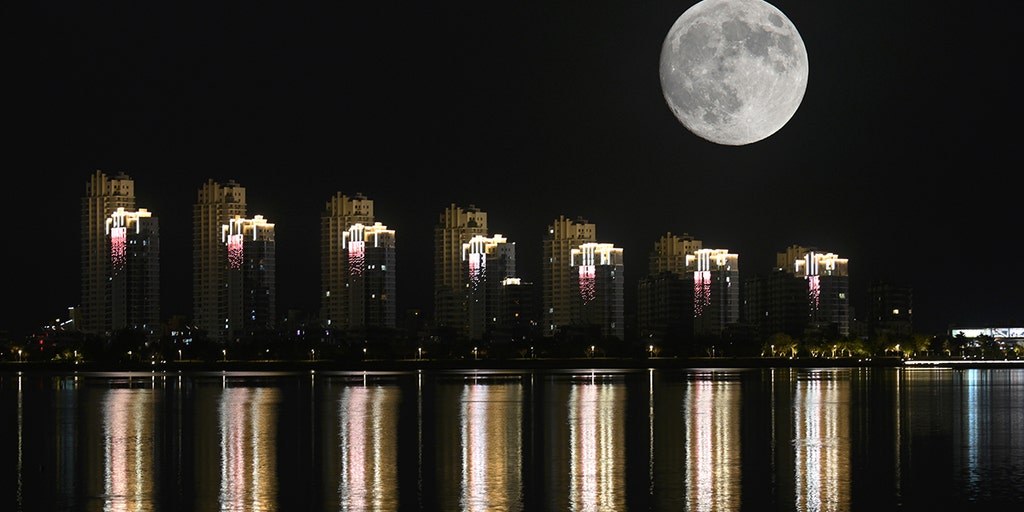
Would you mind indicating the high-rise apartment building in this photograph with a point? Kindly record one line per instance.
(216, 205)
(455, 227)
(890, 310)
(827, 279)
(488, 264)
(134, 279)
(339, 215)
(558, 280)
(251, 276)
(103, 196)
(598, 297)
(665, 295)
(369, 287)
(775, 303)
(716, 290)
(670, 252)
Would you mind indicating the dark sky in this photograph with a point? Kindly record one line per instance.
(903, 156)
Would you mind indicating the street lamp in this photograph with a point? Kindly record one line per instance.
(19, 355)
(224, 354)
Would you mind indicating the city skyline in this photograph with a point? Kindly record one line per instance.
(221, 208)
(893, 160)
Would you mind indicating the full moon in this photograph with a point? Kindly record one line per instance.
(733, 71)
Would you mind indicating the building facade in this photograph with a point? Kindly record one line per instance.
(559, 283)
(134, 279)
(890, 310)
(598, 300)
(670, 252)
(251, 277)
(216, 205)
(103, 196)
(488, 263)
(827, 287)
(665, 294)
(455, 227)
(716, 290)
(369, 287)
(339, 215)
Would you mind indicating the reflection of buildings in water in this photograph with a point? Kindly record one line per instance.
(365, 436)
(597, 458)
(129, 454)
(491, 433)
(712, 444)
(248, 432)
(989, 434)
(480, 461)
(821, 442)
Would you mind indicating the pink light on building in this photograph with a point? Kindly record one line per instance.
(476, 267)
(587, 273)
(118, 248)
(814, 290)
(356, 257)
(701, 291)
(235, 251)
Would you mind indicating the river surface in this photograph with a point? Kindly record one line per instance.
(553, 440)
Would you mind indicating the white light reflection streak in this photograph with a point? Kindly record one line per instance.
(248, 430)
(596, 439)
(650, 430)
(20, 435)
(491, 438)
(127, 437)
(822, 451)
(713, 468)
(369, 460)
(971, 407)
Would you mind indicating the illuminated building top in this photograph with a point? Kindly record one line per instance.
(375, 235)
(117, 226)
(807, 262)
(122, 218)
(256, 228)
(819, 264)
(711, 259)
(595, 254)
(480, 244)
(238, 229)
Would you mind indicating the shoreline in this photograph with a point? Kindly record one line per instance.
(596, 363)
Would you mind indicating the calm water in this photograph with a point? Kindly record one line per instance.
(760, 439)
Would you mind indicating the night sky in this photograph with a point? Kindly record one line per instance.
(903, 156)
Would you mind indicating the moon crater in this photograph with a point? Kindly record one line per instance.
(733, 71)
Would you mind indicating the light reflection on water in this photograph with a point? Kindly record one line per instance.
(248, 431)
(130, 466)
(596, 445)
(784, 439)
(712, 441)
(821, 424)
(364, 433)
